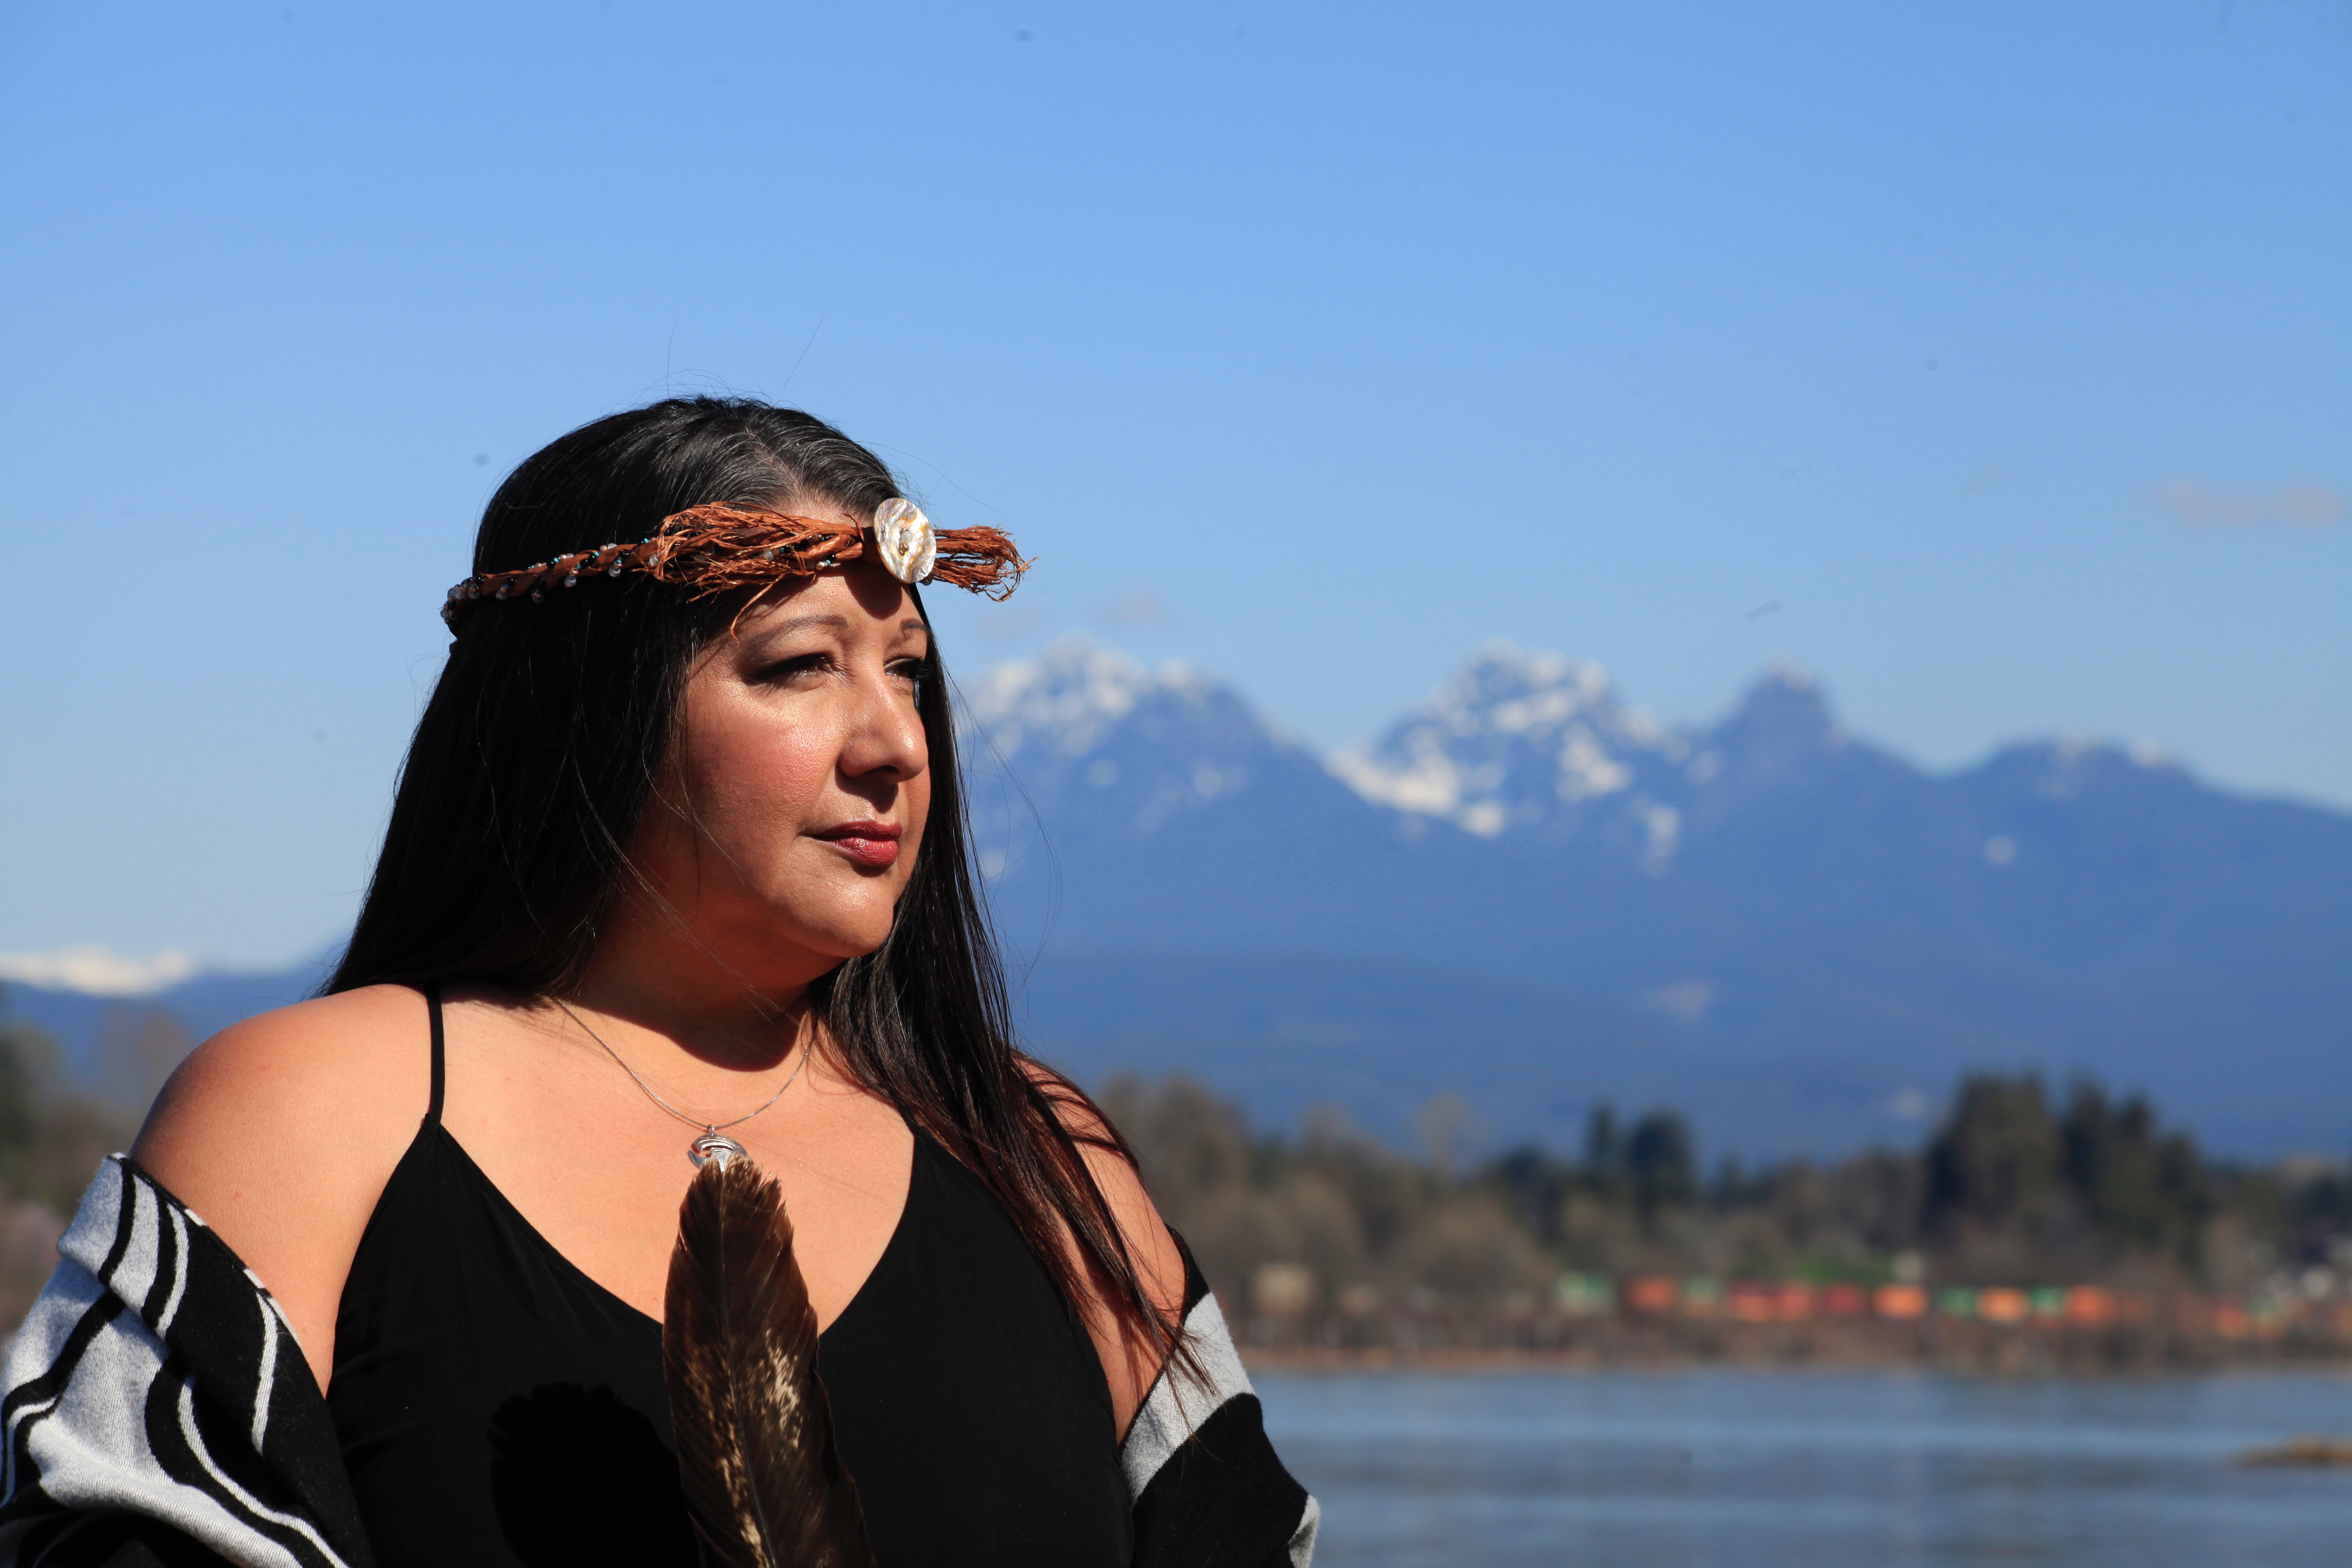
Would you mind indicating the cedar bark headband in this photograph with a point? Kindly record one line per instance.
(713, 548)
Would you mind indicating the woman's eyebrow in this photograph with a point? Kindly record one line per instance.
(800, 622)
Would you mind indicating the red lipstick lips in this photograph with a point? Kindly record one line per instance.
(867, 843)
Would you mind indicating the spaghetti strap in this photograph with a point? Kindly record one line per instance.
(433, 1010)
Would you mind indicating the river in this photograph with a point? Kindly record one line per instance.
(1697, 1468)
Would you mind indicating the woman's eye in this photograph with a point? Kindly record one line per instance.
(787, 669)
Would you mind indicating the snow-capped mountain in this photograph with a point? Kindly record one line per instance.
(97, 970)
(1531, 743)
(1769, 888)
(1091, 778)
(1528, 891)
(1080, 721)
(1539, 748)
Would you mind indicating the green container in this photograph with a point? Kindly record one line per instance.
(1957, 1303)
(1584, 1295)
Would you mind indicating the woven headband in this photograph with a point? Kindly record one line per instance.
(714, 548)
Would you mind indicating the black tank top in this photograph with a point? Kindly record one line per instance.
(497, 1407)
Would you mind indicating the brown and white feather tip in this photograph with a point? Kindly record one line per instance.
(738, 1352)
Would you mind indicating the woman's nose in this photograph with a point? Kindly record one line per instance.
(885, 734)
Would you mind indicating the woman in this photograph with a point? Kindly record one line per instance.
(678, 862)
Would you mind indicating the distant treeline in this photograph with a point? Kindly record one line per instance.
(52, 1137)
(54, 1130)
(1334, 1233)
(1331, 1235)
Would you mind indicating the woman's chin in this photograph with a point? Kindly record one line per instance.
(836, 942)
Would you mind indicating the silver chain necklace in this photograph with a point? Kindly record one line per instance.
(711, 1145)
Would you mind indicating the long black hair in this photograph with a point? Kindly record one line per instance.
(508, 848)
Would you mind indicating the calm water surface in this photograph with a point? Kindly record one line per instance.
(1820, 1470)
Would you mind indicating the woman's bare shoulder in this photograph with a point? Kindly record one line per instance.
(281, 1132)
(339, 1064)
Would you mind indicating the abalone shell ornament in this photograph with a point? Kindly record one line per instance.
(904, 539)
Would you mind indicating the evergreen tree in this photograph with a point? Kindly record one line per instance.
(24, 1051)
(1604, 1154)
(2142, 1191)
(1994, 1165)
(1660, 1161)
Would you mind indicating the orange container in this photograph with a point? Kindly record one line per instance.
(2000, 1304)
(1901, 1302)
(1792, 1300)
(2091, 1307)
(1750, 1302)
(1652, 1293)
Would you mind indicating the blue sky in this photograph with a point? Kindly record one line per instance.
(2001, 347)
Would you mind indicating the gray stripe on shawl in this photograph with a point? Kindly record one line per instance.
(1302, 1540)
(1174, 1413)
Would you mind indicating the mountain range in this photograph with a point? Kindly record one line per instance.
(1527, 893)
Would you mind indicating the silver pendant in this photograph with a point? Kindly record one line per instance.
(713, 1145)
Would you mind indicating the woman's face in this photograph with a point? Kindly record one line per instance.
(794, 800)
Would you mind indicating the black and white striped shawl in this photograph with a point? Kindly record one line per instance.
(159, 1413)
(1207, 1486)
(156, 1399)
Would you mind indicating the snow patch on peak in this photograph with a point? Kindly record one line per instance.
(1079, 717)
(1518, 691)
(1424, 778)
(2063, 767)
(1513, 740)
(1586, 769)
(1068, 696)
(97, 970)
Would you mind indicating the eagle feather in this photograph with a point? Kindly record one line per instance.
(755, 1446)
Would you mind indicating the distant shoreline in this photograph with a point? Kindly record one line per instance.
(1980, 1356)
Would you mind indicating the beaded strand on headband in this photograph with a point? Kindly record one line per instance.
(716, 547)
